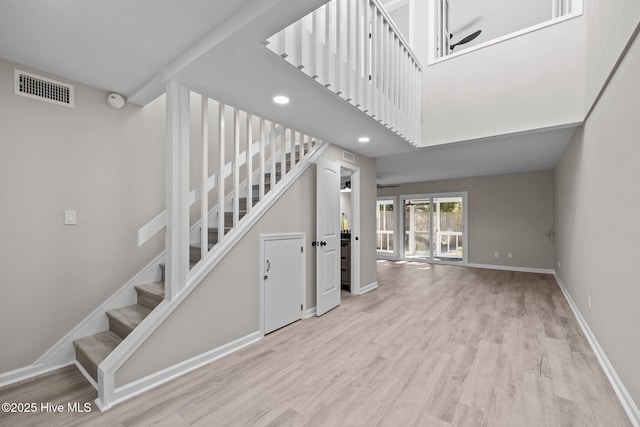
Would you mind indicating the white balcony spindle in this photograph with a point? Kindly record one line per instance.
(261, 168)
(283, 154)
(358, 79)
(221, 163)
(204, 177)
(249, 195)
(236, 166)
(272, 146)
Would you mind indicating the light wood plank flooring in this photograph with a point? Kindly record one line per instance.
(433, 346)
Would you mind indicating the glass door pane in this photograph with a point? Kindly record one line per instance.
(385, 225)
(417, 228)
(448, 228)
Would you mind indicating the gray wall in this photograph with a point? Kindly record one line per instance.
(507, 213)
(517, 85)
(225, 306)
(609, 26)
(597, 211)
(106, 164)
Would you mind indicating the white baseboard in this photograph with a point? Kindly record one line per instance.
(368, 288)
(625, 398)
(310, 312)
(149, 382)
(27, 372)
(511, 268)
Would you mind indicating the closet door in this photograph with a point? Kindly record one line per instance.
(283, 282)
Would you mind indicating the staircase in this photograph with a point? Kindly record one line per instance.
(92, 350)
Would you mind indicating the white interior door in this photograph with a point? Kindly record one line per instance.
(283, 273)
(327, 236)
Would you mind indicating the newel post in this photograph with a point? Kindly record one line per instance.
(177, 190)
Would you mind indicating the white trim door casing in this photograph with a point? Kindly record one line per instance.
(327, 243)
(355, 225)
(283, 281)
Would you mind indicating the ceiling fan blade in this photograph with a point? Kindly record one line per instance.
(467, 39)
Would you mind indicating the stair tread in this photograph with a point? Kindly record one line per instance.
(155, 288)
(93, 349)
(198, 245)
(123, 320)
(150, 294)
(163, 266)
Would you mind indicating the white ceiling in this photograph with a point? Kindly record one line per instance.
(508, 154)
(115, 45)
(216, 47)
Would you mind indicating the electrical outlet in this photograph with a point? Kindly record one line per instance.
(510, 255)
(589, 301)
(496, 254)
(558, 264)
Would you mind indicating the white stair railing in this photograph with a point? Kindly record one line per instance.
(227, 134)
(353, 48)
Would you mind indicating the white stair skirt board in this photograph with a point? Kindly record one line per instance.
(627, 402)
(368, 288)
(151, 381)
(62, 354)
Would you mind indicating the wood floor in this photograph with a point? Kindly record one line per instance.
(434, 345)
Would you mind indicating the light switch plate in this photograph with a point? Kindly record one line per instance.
(70, 217)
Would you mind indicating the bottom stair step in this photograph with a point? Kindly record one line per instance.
(92, 350)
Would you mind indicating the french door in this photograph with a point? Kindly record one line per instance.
(435, 227)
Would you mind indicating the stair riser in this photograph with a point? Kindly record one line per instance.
(149, 301)
(256, 190)
(228, 217)
(87, 364)
(119, 328)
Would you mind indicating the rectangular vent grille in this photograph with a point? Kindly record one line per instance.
(42, 88)
(350, 157)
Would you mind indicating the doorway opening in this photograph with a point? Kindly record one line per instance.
(435, 227)
(349, 228)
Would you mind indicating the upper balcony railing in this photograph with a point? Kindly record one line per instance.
(353, 48)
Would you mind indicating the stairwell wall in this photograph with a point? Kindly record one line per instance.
(225, 305)
(106, 164)
(610, 25)
(596, 215)
(533, 81)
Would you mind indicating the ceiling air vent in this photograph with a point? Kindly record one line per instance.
(42, 88)
(349, 157)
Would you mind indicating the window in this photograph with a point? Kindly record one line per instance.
(459, 25)
(385, 225)
(434, 227)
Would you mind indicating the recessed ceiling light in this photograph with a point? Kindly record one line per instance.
(281, 99)
(364, 139)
